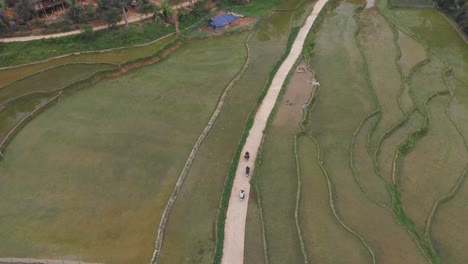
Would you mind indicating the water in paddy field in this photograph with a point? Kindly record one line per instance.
(429, 163)
(54, 75)
(116, 57)
(14, 112)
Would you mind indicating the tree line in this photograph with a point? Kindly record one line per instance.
(458, 10)
(110, 11)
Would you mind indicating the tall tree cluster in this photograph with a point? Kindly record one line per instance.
(458, 9)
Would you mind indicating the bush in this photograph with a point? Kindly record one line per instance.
(75, 13)
(87, 32)
(24, 11)
(91, 13)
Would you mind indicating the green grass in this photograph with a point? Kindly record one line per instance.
(196, 241)
(257, 8)
(103, 161)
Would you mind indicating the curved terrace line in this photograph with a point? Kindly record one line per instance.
(190, 159)
(233, 251)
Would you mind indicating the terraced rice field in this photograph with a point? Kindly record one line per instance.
(378, 172)
(366, 166)
(102, 162)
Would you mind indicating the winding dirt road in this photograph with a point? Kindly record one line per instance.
(233, 251)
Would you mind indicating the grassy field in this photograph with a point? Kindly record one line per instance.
(103, 161)
(195, 242)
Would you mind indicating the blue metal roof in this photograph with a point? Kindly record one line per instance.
(222, 20)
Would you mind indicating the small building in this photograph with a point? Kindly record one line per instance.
(47, 6)
(222, 20)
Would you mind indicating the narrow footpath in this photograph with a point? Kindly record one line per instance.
(74, 32)
(233, 251)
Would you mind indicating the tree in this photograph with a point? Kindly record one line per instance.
(167, 11)
(145, 8)
(90, 12)
(113, 10)
(3, 21)
(24, 10)
(112, 16)
(75, 12)
(462, 18)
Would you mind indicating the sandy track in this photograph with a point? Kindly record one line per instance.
(233, 251)
(74, 32)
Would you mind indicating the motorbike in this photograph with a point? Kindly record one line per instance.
(242, 195)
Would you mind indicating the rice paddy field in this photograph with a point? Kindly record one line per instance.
(102, 162)
(377, 172)
(367, 166)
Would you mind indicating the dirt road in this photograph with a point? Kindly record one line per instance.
(233, 251)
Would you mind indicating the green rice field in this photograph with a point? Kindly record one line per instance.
(364, 158)
(377, 174)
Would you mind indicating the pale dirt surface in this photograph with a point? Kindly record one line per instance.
(133, 19)
(233, 251)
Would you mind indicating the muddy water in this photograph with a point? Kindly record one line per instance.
(56, 74)
(49, 80)
(16, 111)
(113, 57)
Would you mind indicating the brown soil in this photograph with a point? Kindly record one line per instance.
(297, 93)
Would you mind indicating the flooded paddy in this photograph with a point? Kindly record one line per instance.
(116, 56)
(199, 199)
(388, 143)
(102, 162)
(378, 175)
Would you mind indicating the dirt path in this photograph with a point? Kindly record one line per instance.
(233, 251)
(74, 32)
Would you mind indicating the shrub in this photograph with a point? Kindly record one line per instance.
(75, 13)
(24, 11)
(87, 32)
(91, 13)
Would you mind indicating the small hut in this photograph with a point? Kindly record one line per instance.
(222, 20)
